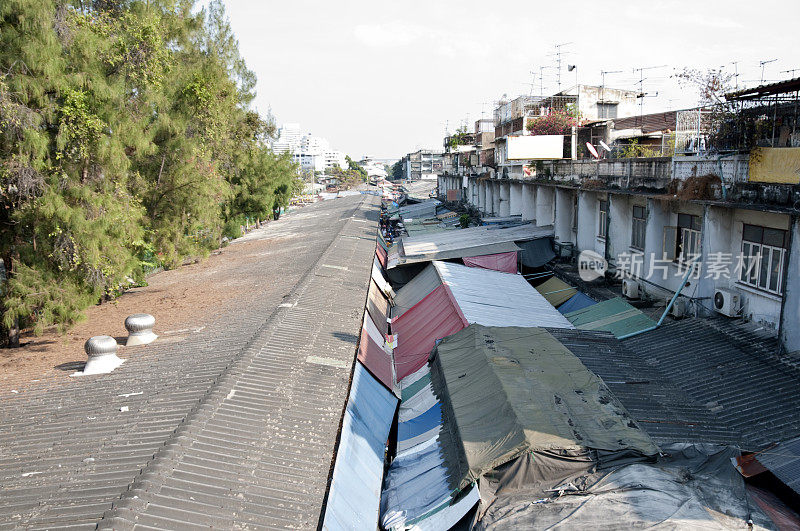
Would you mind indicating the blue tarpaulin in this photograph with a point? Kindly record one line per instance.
(416, 490)
(579, 301)
(354, 498)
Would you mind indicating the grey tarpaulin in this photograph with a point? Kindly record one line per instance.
(536, 253)
(692, 487)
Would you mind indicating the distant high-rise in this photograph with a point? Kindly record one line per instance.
(311, 152)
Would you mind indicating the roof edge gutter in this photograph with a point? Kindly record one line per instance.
(689, 269)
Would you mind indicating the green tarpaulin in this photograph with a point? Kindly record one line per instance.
(512, 391)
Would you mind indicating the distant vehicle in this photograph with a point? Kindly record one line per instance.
(332, 188)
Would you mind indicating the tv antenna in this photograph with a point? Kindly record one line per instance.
(558, 55)
(735, 73)
(541, 79)
(763, 63)
(642, 94)
(790, 71)
(603, 74)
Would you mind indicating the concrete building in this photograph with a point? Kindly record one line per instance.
(311, 153)
(422, 164)
(513, 117)
(733, 212)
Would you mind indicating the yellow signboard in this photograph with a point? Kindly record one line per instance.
(775, 165)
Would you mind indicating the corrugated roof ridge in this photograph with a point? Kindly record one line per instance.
(122, 513)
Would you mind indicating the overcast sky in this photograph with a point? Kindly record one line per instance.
(384, 78)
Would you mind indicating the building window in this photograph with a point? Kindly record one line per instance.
(575, 213)
(688, 237)
(607, 110)
(602, 226)
(764, 257)
(682, 242)
(638, 227)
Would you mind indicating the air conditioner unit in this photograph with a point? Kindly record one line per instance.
(630, 288)
(678, 310)
(726, 302)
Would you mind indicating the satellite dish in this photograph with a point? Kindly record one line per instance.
(605, 146)
(592, 150)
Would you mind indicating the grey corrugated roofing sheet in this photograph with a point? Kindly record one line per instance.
(668, 413)
(473, 241)
(733, 372)
(232, 424)
(783, 460)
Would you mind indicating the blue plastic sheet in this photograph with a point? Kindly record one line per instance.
(579, 301)
(354, 498)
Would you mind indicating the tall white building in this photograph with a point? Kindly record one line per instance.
(311, 153)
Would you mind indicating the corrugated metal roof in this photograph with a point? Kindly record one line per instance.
(783, 460)
(492, 298)
(614, 315)
(425, 209)
(667, 412)
(556, 291)
(473, 241)
(381, 254)
(733, 372)
(354, 498)
(231, 424)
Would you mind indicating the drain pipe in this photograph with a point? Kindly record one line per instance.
(671, 302)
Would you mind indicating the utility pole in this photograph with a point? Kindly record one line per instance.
(762, 63)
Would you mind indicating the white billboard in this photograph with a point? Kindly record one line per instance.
(543, 147)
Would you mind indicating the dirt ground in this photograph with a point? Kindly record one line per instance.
(185, 297)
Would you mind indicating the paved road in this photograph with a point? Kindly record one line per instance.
(232, 426)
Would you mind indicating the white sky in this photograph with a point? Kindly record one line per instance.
(383, 78)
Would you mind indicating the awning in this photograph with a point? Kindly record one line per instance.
(416, 490)
(577, 302)
(378, 307)
(556, 291)
(381, 253)
(536, 253)
(434, 317)
(380, 280)
(473, 241)
(373, 354)
(505, 262)
(614, 315)
(354, 497)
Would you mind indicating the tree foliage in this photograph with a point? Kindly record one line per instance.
(126, 143)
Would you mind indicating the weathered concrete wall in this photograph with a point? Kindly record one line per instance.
(545, 205)
(790, 331)
(515, 199)
(529, 202)
(504, 208)
(564, 215)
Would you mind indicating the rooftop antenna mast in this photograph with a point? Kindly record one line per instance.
(735, 73)
(541, 80)
(558, 55)
(763, 63)
(603, 82)
(791, 71)
(642, 93)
